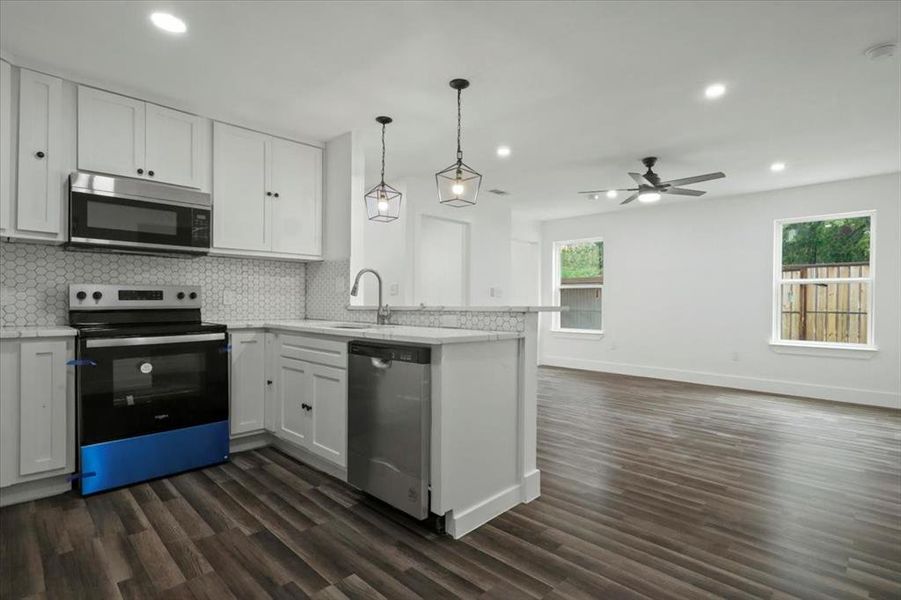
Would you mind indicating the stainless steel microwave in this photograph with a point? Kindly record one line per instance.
(117, 213)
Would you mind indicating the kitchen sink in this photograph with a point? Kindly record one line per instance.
(348, 325)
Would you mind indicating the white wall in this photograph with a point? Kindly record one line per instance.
(688, 294)
(393, 248)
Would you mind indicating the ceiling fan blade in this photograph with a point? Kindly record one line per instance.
(639, 179)
(611, 190)
(629, 199)
(695, 179)
(683, 192)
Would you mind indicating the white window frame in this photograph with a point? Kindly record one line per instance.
(776, 339)
(555, 326)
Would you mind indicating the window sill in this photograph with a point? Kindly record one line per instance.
(577, 334)
(824, 349)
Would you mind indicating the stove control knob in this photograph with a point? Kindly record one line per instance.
(97, 295)
(180, 295)
(192, 295)
(81, 295)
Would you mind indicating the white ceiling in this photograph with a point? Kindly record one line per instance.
(580, 91)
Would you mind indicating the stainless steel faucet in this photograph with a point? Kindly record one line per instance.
(384, 313)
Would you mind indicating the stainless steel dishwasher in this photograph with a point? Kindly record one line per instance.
(388, 417)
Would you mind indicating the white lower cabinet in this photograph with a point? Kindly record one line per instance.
(248, 381)
(37, 409)
(311, 395)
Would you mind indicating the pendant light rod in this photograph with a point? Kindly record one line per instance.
(384, 121)
(459, 85)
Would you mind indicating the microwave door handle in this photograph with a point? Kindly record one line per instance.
(153, 341)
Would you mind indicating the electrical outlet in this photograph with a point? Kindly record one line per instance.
(495, 292)
(449, 321)
(393, 289)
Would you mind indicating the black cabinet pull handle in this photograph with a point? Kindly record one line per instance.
(40, 154)
(150, 173)
(268, 382)
(306, 406)
(140, 171)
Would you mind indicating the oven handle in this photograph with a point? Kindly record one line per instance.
(153, 341)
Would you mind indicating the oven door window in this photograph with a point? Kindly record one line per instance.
(137, 390)
(124, 220)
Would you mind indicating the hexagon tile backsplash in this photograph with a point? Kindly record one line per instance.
(34, 282)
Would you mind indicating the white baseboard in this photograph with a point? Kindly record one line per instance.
(755, 384)
(34, 490)
(249, 441)
(461, 522)
(307, 457)
(531, 486)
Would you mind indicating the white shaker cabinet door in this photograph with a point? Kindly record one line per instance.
(248, 381)
(41, 179)
(173, 147)
(240, 208)
(295, 180)
(328, 394)
(293, 420)
(42, 406)
(110, 133)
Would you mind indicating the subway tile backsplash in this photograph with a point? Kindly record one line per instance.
(34, 282)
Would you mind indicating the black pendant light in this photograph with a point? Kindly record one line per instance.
(383, 201)
(458, 185)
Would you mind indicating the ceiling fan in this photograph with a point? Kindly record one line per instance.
(650, 187)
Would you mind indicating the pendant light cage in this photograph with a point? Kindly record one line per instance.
(458, 185)
(383, 201)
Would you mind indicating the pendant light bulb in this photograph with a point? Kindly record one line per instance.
(458, 188)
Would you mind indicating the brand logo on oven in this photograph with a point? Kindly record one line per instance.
(160, 417)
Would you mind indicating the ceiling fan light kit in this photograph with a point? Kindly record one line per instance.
(458, 185)
(650, 189)
(383, 201)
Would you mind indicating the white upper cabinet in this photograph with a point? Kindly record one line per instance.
(295, 179)
(6, 166)
(110, 133)
(173, 146)
(123, 136)
(240, 209)
(267, 195)
(41, 178)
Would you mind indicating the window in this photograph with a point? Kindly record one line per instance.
(579, 285)
(824, 277)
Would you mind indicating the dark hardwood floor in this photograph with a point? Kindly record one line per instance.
(649, 489)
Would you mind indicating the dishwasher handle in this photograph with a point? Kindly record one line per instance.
(388, 353)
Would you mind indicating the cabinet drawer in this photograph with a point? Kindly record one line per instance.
(313, 349)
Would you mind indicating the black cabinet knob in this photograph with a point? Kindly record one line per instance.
(192, 295)
(275, 194)
(97, 295)
(81, 295)
(40, 154)
(150, 173)
(180, 295)
(268, 193)
(268, 382)
(140, 171)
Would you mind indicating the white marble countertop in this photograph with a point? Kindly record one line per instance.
(8, 333)
(396, 333)
(424, 308)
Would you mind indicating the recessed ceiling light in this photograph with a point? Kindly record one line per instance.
(503, 151)
(715, 90)
(881, 51)
(168, 22)
(648, 197)
(777, 167)
(612, 194)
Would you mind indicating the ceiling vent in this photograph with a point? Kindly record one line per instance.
(499, 192)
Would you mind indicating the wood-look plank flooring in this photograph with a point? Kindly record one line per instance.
(650, 489)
